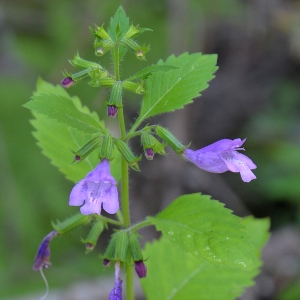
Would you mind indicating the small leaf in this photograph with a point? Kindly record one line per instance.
(144, 73)
(180, 275)
(119, 25)
(63, 110)
(167, 91)
(204, 228)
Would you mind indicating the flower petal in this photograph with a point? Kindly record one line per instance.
(237, 162)
(91, 208)
(102, 171)
(207, 160)
(77, 195)
(111, 201)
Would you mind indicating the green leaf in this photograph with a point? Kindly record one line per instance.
(204, 228)
(144, 73)
(119, 25)
(180, 275)
(63, 110)
(167, 91)
(58, 140)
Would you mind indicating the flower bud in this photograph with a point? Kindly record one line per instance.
(117, 249)
(151, 145)
(149, 153)
(100, 32)
(135, 87)
(67, 82)
(170, 139)
(89, 147)
(106, 262)
(107, 148)
(115, 98)
(79, 62)
(93, 236)
(112, 111)
(140, 268)
(128, 155)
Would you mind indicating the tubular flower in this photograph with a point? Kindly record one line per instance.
(116, 292)
(97, 189)
(43, 254)
(222, 156)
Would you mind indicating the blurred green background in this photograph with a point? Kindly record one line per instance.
(256, 94)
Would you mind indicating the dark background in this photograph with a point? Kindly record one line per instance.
(255, 95)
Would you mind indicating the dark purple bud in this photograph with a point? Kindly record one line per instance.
(77, 158)
(140, 268)
(149, 153)
(106, 262)
(112, 111)
(43, 254)
(67, 82)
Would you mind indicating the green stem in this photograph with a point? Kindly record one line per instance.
(124, 182)
(135, 126)
(140, 225)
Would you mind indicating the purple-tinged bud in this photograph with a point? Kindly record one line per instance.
(106, 262)
(43, 254)
(77, 158)
(100, 51)
(140, 54)
(67, 82)
(116, 292)
(112, 111)
(140, 268)
(149, 153)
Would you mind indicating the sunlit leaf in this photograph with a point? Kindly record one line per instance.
(204, 228)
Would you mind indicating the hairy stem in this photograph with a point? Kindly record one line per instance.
(124, 182)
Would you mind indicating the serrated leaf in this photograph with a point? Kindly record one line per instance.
(151, 69)
(204, 228)
(58, 140)
(176, 275)
(119, 25)
(63, 110)
(167, 91)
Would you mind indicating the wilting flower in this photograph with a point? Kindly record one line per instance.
(96, 189)
(140, 268)
(43, 254)
(116, 292)
(222, 156)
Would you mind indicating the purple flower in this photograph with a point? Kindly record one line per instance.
(116, 292)
(112, 111)
(222, 156)
(140, 268)
(149, 153)
(67, 82)
(96, 189)
(43, 254)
